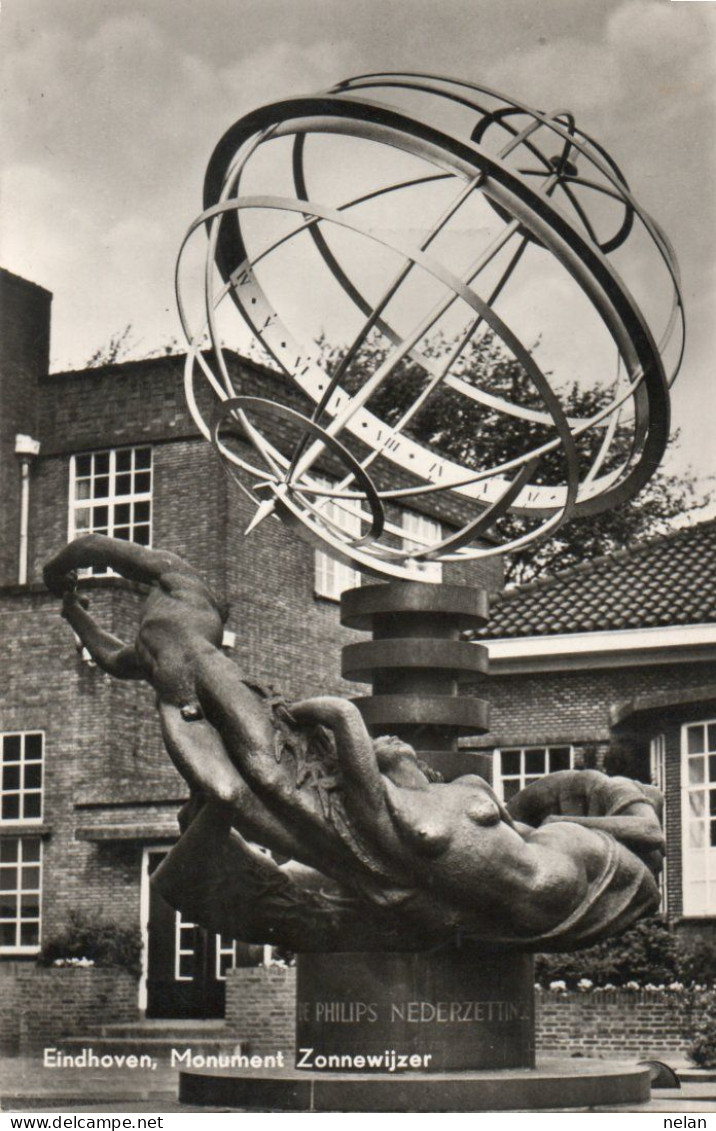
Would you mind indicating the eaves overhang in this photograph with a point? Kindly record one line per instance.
(694, 643)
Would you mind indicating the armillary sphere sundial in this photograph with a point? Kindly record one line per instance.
(421, 265)
(401, 210)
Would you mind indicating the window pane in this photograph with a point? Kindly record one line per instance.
(11, 748)
(559, 758)
(697, 804)
(124, 460)
(11, 776)
(535, 761)
(696, 771)
(713, 833)
(9, 849)
(8, 879)
(32, 775)
(142, 457)
(122, 514)
(83, 465)
(30, 849)
(186, 966)
(142, 482)
(510, 760)
(33, 747)
(711, 734)
(712, 767)
(30, 906)
(141, 511)
(101, 463)
(30, 878)
(123, 485)
(10, 807)
(141, 535)
(7, 934)
(697, 834)
(695, 739)
(8, 906)
(32, 806)
(510, 788)
(29, 934)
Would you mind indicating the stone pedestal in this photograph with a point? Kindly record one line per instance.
(454, 1009)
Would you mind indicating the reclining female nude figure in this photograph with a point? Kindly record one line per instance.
(374, 854)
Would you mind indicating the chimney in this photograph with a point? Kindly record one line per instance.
(24, 359)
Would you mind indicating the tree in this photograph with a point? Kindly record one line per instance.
(477, 436)
(115, 350)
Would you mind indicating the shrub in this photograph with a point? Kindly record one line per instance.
(702, 1049)
(647, 953)
(105, 943)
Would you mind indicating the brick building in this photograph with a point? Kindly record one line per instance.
(583, 673)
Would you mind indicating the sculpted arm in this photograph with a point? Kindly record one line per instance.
(108, 651)
(640, 827)
(136, 563)
(354, 745)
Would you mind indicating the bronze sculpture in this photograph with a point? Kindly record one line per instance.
(379, 856)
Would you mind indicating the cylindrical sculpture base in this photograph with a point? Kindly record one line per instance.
(458, 1008)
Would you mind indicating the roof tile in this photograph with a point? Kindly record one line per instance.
(669, 580)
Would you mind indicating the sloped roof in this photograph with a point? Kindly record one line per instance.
(667, 581)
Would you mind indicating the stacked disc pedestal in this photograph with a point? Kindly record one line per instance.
(417, 664)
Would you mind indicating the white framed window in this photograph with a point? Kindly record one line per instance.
(20, 894)
(225, 951)
(421, 531)
(332, 576)
(518, 766)
(657, 770)
(111, 493)
(185, 941)
(698, 815)
(21, 781)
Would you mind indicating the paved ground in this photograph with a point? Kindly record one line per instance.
(26, 1086)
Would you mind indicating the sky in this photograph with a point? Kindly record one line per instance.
(109, 113)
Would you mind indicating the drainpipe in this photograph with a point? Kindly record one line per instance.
(26, 449)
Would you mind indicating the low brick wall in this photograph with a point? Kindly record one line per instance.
(620, 1022)
(261, 1004)
(41, 1005)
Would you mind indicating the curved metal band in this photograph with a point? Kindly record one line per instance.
(242, 404)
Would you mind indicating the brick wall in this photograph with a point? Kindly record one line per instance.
(635, 1026)
(261, 1007)
(65, 1002)
(261, 1004)
(544, 706)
